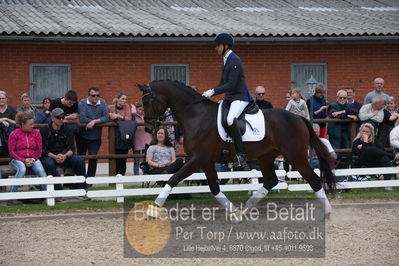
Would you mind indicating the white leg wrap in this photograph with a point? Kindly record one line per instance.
(321, 194)
(256, 197)
(163, 195)
(225, 202)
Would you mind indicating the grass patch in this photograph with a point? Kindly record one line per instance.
(201, 199)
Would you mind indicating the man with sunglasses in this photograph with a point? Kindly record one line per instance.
(92, 110)
(58, 147)
(339, 132)
(260, 92)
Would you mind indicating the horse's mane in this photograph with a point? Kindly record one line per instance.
(191, 91)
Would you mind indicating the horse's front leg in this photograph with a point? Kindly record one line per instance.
(212, 178)
(188, 168)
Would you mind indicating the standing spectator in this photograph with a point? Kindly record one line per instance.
(373, 113)
(260, 98)
(141, 137)
(377, 92)
(314, 160)
(69, 104)
(93, 110)
(120, 111)
(350, 91)
(297, 105)
(391, 115)
(319, 108)
(26, 105)
(44, 116)
(59, 147)
(161, 156)
(25, 147)
(370, 152)
(7, 123)
(339, 132)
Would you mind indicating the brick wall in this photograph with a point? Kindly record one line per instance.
(117, 67)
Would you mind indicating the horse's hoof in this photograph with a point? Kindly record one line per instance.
(153, 211)
(235, 217)
(327, 215)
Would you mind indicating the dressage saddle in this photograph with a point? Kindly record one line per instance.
(252, 108)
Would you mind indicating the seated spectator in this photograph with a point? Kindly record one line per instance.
(369, 150)
(314, 160)
(25, 147)
(93, 110)
(7, 123)
(44, 116)
(339, 132)
(69, 104)
(260, 92)
(161, 157)
(297, 105)
(141, 137)
(391, 115)
(319, 108)
(394, 136)
(59, 147)
(121, 111)
(373, 113)
(26, 105)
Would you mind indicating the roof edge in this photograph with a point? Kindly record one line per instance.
(196, 39)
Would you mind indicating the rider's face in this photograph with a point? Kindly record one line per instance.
(219, 49)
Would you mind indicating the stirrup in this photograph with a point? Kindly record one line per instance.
(240, 162)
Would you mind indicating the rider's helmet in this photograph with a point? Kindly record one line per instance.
(224, 38)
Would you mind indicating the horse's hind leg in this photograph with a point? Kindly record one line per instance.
(302, 165)
(270, 180)
(212, 178)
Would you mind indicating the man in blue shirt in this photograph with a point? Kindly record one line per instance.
(93, 110)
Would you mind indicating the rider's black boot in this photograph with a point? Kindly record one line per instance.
(241, 160)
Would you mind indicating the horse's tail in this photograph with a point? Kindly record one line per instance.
(326, 174)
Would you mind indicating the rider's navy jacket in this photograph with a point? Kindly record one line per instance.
(233, 80)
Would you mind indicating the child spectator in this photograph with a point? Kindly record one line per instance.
(297, 105)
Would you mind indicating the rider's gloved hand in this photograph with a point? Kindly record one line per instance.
(209, 93)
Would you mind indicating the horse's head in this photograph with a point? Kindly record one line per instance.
(154, 106)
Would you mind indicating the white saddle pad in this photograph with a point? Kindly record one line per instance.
(256, 133)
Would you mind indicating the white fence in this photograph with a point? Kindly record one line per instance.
(50, 194)
(119, 191)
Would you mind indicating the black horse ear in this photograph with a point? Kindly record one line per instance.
(143, 88)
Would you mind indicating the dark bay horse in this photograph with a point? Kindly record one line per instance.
(286, 134)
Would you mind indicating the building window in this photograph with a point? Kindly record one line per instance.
(301, 72)
(177, 72)
(49, 80)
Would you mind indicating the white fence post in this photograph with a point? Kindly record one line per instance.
(50, 189)
(119, 188)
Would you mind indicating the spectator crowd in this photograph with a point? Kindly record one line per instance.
(61, 140)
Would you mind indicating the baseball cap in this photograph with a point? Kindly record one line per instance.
(57, 112)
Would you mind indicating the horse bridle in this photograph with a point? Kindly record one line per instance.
(150, 93)
(173, 112)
